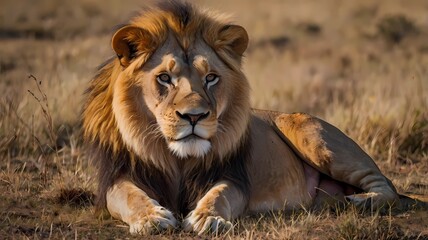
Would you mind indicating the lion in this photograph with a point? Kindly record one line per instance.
(177, 144)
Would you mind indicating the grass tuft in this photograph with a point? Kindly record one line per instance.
(42, 99)
(415, 143)
(75, 197)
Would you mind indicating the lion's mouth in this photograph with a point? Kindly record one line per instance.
(190, 145)
(190, 141)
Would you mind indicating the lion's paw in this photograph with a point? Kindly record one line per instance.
(361, 199)
(201, 223)
(160, 220)
(374, 201)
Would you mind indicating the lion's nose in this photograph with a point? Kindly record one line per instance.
(193, 118)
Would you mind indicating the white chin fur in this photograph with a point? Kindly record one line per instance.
(192, 147)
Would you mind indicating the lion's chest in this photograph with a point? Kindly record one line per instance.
(181, 192)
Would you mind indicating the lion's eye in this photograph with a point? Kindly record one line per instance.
(211, 77)
(164, 78)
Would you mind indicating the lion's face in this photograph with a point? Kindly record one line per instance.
(189, 96)
(187, 93)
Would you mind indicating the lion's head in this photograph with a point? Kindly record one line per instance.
(176, 88)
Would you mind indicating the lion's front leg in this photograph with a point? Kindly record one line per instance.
(215, 211)
(144, 215)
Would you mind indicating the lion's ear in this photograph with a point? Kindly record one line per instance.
(128, 41)
(234, 37)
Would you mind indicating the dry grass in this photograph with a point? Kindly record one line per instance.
(362, 65)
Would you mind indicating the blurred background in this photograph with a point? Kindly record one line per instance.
(361, 65)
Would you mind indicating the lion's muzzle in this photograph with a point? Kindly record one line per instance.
(196, 124)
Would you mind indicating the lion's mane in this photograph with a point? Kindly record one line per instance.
(142, 156)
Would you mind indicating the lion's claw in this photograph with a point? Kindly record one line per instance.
(206, 224)
(161, 220)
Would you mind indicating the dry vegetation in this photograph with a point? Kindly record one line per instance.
(362, 65)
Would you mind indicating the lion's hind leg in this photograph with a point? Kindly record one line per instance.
(331, 152)
(132, 205)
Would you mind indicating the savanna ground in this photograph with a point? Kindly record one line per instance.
(361, 65)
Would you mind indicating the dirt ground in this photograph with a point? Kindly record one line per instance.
(361, 65)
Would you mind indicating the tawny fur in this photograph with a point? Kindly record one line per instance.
(177, 76)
